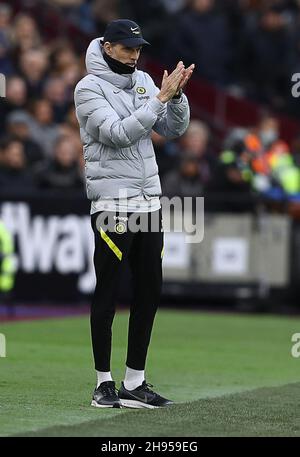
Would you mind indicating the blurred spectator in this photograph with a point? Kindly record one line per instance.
(62, 57)
(268, 130)
(166, 153)
(284, 171)
(18, 126)
(68, 131)
(104, 11)
(25, 34)
(43, 129)
(196, 164)
(66, 67)
(267, 144)
(196, 141)
(233, 172)
(16, 98)
(154, 31)
(6, 66)
(5, 19)
(195, 138)
(201, 35)
(55, 92)
(79, 12)
(186, 181)
(61, 172)
(33, 66)
(257, 159)
(266, 55)
(14, 173)
(70, 77)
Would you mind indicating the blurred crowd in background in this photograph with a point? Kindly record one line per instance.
(250, 48)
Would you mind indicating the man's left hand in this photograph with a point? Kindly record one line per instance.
(185, 77)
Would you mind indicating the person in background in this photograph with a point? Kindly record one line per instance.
(15, 176)
(43, 130)
(233, 173)
(62, 172)
(189, 38)
(266, 50)
(25, 35)
(155, 31)
(186, 180)
(5, 20)
(269, 154)
(6, 65)
(33, 68)
(16, 99)
(55, 92)
(196, 141)
(233, 176)
(166, 153)
(18, 125)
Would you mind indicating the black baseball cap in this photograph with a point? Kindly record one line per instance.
(125, 32)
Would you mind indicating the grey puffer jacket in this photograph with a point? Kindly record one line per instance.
(116, 114)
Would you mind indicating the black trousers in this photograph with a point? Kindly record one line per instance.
(144, 250)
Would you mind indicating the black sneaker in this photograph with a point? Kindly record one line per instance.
(142, 397)
(105, 396)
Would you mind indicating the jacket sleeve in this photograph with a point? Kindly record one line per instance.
(101, 121)
(174, 120)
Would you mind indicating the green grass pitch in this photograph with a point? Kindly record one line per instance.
(230, 375)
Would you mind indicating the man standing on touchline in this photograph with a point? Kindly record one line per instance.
(117, 107)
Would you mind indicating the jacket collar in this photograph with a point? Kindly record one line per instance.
(96, 65)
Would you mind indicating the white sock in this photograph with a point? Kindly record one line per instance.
(133, 378)
(103, 376)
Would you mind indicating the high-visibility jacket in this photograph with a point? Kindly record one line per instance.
(7, 271)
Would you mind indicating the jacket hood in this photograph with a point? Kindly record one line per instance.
(96, 65)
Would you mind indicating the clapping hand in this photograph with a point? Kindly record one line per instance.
(173, 83)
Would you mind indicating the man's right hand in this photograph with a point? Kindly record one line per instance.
(170, 83)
